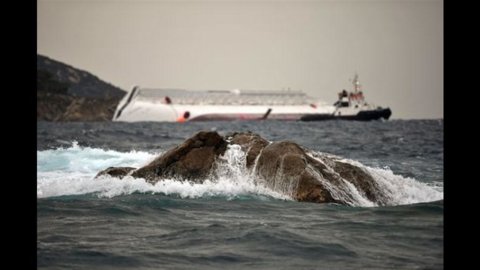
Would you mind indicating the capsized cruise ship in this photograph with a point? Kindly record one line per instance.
(179, 105)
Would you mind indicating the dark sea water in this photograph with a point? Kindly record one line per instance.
(230, 223)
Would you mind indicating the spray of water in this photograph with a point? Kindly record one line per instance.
(71, 171)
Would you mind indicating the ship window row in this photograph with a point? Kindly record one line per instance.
(237, 101)
(226, 99)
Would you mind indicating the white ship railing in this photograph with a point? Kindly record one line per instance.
(223, 97)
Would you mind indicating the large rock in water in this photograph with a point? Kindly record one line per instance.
(283, 166)
(118, 172)
(192, 160)
(287, 168)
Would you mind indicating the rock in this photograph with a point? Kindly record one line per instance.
(65, 93)
(362, 180)
(118, 172)
(192, 160)
(284, 167)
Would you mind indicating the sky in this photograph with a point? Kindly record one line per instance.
(396, 47)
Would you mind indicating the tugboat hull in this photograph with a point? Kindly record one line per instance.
(366, 115)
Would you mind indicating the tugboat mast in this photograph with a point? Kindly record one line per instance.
(356, 84)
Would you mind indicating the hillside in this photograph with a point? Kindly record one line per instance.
(65, 93)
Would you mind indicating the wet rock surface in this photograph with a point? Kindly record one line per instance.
(252, 144)
(283, 166)
(192, 160)
(118, 172)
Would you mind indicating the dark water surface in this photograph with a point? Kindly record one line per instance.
(83, 224)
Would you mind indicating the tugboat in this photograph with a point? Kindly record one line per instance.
(352, 106)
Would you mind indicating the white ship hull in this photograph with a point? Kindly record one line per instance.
(148, 111)
(133, 108)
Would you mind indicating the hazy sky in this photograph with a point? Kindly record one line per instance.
(315, 46)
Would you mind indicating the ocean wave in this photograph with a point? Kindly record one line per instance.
(71, 171)
(88, 160)
(401, 190)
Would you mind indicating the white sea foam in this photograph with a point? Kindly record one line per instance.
(398, 189)
(71, 171)
(405, 190)
(88, 160)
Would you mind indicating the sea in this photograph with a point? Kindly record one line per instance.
(232, 222)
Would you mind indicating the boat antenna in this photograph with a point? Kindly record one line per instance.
(356, 84)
